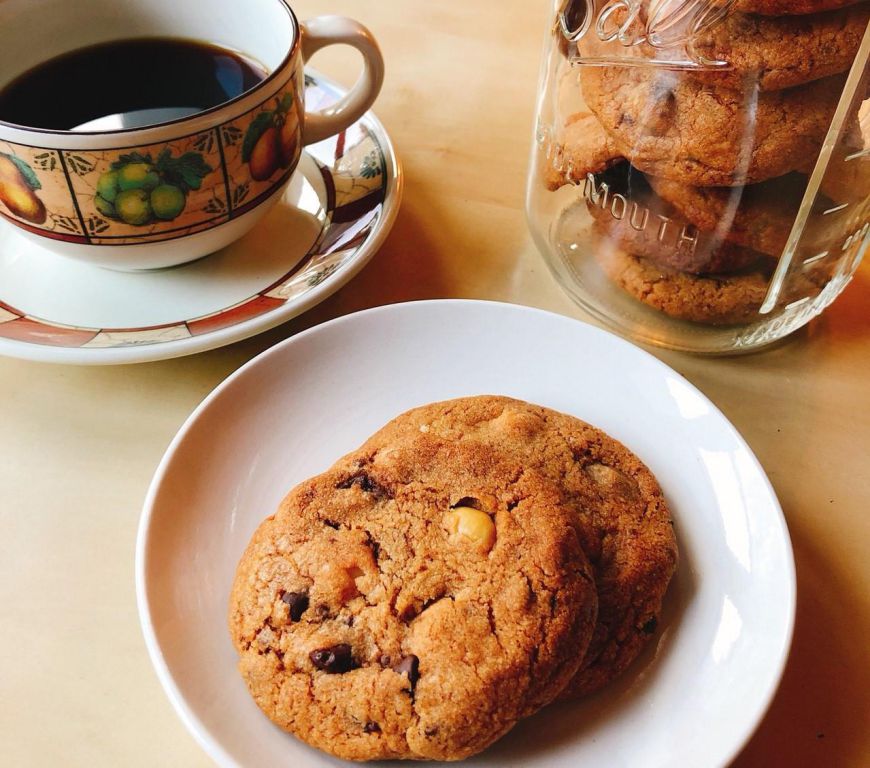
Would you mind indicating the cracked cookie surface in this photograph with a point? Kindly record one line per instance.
(759, 216)
(724, 299)
(675, 127)
(617, 505)
(782, 52)
(582, 146)
(712, 300)
(412, 602)
(790, 7)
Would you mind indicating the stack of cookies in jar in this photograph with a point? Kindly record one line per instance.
(693, 175)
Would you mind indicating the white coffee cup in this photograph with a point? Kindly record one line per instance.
(56, 185)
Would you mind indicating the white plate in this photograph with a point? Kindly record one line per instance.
(337, 210)
(694, 697)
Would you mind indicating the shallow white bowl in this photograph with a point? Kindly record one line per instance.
(692, 699)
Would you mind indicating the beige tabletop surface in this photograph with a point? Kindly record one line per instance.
(79, 444)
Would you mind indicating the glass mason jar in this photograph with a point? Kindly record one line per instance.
(700, 177)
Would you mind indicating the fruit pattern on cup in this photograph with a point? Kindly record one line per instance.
(18, 185)
(272, 138)
(139, 190)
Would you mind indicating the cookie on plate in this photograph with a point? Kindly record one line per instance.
(618, 507)
(412, 602)
(675, 127)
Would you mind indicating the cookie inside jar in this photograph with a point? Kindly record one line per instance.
(676, 149)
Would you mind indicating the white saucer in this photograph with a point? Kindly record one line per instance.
(692, 699)
(336, 212)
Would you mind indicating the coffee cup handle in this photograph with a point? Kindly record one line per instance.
(321, 31)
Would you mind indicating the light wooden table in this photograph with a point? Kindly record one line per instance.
(79, 444)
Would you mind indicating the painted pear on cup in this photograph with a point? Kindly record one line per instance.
(271, 139)
(18, 183)
(264, 157)
(289, 138)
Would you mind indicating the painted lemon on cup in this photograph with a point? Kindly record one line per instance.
(167, 201)
(105, 207)
(133, 206)
(139, 190)
(107, 186)
(137, 176)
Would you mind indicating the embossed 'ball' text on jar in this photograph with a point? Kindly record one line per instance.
(700, 174)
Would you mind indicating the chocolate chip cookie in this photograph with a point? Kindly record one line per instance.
(618, 507)
(582, 147)
(790, 7)
(777, 53)
(628, 214)
(712, 300)
(759, 216)
(412, 602)
(673, 126)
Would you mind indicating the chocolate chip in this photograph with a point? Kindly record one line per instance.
(650, 626)
(332, 524)
(349, 620)
(409, 666)
(361, 480)
(374, 546)
(297, 602)
(364, 483)
(431, 731)
(334, 660)
(371, 728)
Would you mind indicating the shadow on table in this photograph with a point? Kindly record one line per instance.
(815, 719)
(848, 317)
(845, 321)
(407, 267)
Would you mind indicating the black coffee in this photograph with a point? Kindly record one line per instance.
(127, 84)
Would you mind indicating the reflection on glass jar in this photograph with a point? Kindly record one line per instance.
(700, 177)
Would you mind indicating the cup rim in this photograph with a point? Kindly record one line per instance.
(266, 81)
